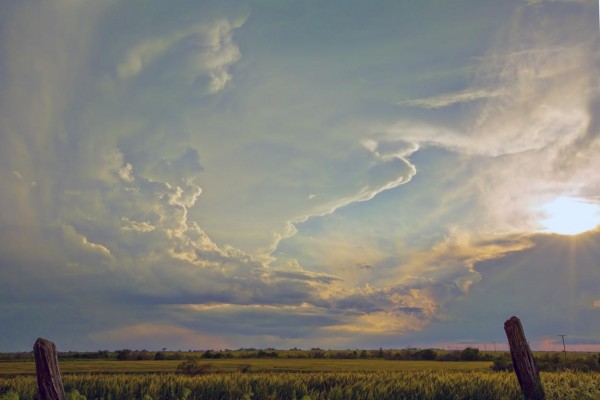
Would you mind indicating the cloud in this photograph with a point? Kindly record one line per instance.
(533, 91)
(305, 276)
(378, 323)
(449, 99)
(78, 240)
(540, 118)
(549, 286)
(202, 52)
(390, 149)
(156, 335)
(187, 165)
(143, 226)
(410, 285)
(247, 210)
(452, 260)
(17, 175)
(141, 55)
(196, 167)
(366, 310)
(279, 322)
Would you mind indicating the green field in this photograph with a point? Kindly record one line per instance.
(299, 379)
(374, 385)
(253, 365)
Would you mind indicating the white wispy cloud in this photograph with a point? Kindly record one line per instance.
(448, 99)
(72, 237)
(202, 50)
(143, 226)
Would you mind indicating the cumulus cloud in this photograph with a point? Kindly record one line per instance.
(192, 171)
(204, 51)
(279, 322)
(142, 226)
(342, 314)
(187, 165)
(519, 283)
(280, 196)
(378, 323)
(531, 117)
(539, 117)
(538, 90)
(452, 260)
(423, 284)
(75, 239)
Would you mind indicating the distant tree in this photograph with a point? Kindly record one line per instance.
(469, 354)
(208, 354)
(426, 354)
(267, 354)
(556, 362)
(404, 354)
(124, 354)
(143, 355)
(316, 352)
(342, 355)
(453, 355)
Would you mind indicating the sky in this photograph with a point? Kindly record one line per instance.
(335, 174)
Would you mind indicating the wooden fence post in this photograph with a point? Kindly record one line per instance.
(523, 362)
(50, 386)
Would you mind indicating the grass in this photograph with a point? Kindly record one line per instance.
(348, 385)
(254, 365)
(314, 379)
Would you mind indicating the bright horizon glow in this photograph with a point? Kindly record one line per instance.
(570, 216)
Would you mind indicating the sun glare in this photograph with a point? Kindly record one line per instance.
(570, 216)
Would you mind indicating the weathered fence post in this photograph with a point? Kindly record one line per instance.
(523, 362)
(50, 386)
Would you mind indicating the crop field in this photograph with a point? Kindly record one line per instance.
(292, 379)
(248, 365)
(380, 385)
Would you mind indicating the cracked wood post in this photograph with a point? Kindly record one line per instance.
(523, 362)
(50, 386)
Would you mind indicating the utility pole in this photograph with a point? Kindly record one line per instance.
(494, 347)
(564, 347)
